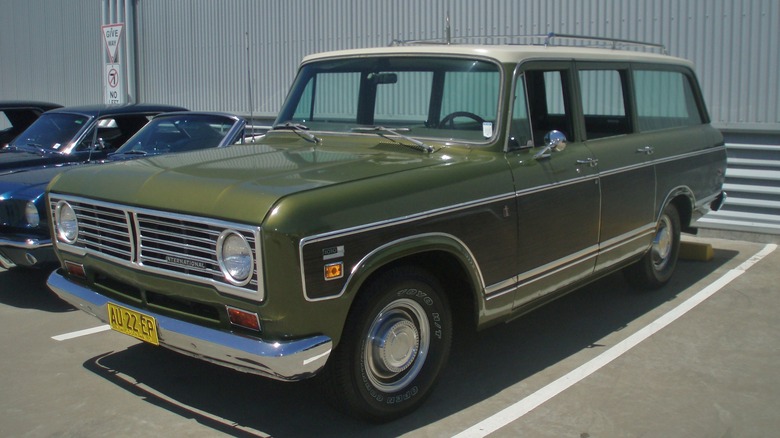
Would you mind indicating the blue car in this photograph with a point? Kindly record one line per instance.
(77, 134)
(17, 115)
(24, 231)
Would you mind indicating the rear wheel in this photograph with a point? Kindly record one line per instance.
(396, 340)
(657, 266)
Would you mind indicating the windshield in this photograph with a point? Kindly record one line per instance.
(430, 97)
(180, 133)
(51, 131)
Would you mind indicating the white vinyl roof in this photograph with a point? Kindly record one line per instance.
(509, 53)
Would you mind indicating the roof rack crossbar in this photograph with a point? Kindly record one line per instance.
(614, 41)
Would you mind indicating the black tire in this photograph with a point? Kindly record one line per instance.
(396, 340)
(657, 266)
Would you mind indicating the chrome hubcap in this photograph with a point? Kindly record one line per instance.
(662, 244)
(396, 345)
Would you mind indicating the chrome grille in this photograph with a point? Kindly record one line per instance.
(11, 213)
(182, 246)
(171, 244)
(104, 230)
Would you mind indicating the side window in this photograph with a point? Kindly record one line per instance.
(553, 91)
(4, 122)
(86, 142)
(603, 103)
(109, 136)
(549, 105)
(520, 128)
(664, 99)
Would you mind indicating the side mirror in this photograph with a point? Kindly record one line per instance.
(554, 141)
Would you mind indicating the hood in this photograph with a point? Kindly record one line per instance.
(19, 159)
(239, 183)
(29, 183)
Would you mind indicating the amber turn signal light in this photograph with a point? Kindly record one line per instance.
(75, 269)
(244, 319)
(334, 271)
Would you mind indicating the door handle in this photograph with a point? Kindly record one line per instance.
(592, 162)
(647, 150)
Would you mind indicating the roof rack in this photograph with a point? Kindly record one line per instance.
(614, 42)
(541, 39)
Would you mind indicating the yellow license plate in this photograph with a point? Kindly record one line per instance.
(135, 324)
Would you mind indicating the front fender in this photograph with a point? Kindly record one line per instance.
(414, 246)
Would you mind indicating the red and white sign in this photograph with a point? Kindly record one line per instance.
(111, 35)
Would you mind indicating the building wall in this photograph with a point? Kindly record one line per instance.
(50, 50)
(208, 55)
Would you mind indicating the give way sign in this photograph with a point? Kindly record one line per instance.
(111, 35)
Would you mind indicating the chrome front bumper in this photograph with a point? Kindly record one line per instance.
(25, 251)
(280, 360)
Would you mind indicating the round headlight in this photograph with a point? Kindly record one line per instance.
(66, 222)
(31, 214)
(235, 257)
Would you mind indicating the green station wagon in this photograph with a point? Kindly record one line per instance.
(405, 193)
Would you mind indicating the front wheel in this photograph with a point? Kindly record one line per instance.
(396, 340)
(657, 266)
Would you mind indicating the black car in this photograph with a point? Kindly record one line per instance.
(17, 115)
(24, 232)
(77, 134)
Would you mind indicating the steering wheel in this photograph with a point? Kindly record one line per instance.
(450, 119)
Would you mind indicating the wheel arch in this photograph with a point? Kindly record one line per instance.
(444, 256)
(684, 200)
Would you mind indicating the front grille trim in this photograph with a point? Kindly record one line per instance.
(142, 239)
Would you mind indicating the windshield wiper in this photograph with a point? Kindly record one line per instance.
(32, 148)
(382, 132)
(301, 130)
(139, 152)
(127, 153)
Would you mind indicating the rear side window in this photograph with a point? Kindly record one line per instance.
(603, 103)
(664, 99)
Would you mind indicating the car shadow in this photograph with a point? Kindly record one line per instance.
(480, 366)
(26, 288)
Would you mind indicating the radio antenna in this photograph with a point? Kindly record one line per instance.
(249, 88)
(447, 32)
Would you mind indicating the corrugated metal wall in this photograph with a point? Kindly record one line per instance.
(205, 58)
(50, 50)
(194, 53)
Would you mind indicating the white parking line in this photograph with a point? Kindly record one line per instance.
(80, 333)
(522, 407)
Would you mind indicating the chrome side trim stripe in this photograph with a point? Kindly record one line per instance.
(624, 239)
(529, 277)
(534, 275)
(401, 220)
